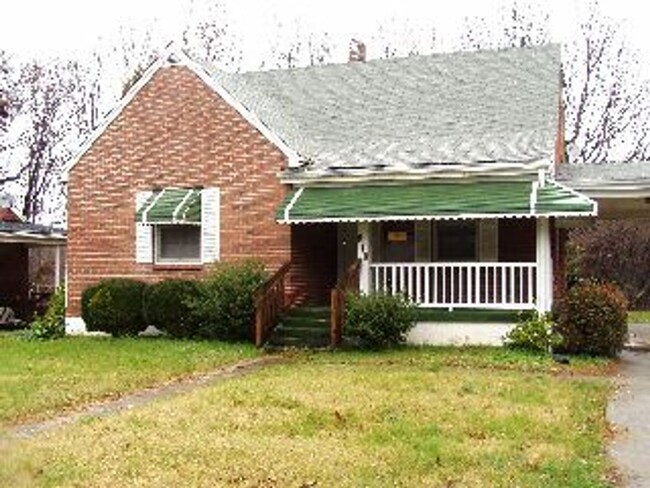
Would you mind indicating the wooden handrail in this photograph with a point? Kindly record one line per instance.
(270, 302)
(338, 296)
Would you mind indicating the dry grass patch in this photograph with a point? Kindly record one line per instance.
(38, 379)
(403, 418)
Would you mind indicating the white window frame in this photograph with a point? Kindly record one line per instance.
(157, 246)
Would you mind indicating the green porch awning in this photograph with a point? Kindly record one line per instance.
(171, 206)
(426, 201)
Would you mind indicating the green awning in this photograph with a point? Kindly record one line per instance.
(171, 206)
(553, 198)
(425, 201)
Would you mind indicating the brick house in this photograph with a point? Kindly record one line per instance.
(437, 172)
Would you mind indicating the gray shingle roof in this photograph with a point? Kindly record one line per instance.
(460, 108)
(607, 173)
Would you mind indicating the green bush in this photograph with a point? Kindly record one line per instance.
(223, 307)
(165, 306)
(50, 325)
(592, 319)
(114, 306)
(379, 321)
(534, 332)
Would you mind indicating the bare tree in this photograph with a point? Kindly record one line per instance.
(8, 103)
(604, 101)
(515, 25)
(208, 36)
(290, 47)
(400, 37)
(49, 118)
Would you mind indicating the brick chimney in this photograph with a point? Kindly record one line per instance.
(357, 51)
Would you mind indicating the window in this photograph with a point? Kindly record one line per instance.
(456, 240)
(177, 226)
(178, 243)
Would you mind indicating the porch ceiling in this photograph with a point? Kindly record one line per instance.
(171, 206)
(431, 201)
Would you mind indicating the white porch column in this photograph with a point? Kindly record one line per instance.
(57, 266)
(363, 254)
(544, 299)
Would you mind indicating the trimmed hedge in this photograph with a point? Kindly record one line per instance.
(379, 321)
(223, 307)
(166, 306)
(114, 306)
(592, 319)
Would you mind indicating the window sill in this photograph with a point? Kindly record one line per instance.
(177, 266)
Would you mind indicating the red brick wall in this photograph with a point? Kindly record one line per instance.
(558, 254)
(175, 132)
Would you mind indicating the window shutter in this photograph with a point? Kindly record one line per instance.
(143, 233)
(210, 225)
(423, 241)
(489, 240)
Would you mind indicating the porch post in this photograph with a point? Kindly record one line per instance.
(544, 299)
(57, 267)
(363, 254)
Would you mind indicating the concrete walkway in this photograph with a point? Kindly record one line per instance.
(628, 411)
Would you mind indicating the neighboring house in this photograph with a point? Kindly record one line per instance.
(622, 189)
(20, 242)
(436, 171)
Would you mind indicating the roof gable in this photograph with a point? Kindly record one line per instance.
(175, 57)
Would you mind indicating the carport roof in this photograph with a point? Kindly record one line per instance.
(27, 233)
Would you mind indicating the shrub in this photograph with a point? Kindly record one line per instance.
(223, 306)
(534, 332)
(592, 319)
(614, 251)
(165, 306)
(379, 321)
(114, 306)
(51, 325)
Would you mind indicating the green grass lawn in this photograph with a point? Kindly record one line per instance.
(412, 417)
(39, 378)
(638, 317)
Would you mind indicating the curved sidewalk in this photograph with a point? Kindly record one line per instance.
(628, 411)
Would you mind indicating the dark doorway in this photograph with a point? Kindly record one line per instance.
(313, 263)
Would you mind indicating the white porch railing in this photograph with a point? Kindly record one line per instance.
(459, 285)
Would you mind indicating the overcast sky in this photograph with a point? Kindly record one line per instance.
(75, 27)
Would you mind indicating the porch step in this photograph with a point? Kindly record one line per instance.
(303, 327)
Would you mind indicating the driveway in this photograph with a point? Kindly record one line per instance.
(628, 411)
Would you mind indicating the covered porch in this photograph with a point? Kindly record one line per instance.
(479, 244)
(32, 265)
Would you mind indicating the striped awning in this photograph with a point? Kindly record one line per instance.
(429, 201)
(171, 206)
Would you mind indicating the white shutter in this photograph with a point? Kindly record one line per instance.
(489, 240)
(423, 241)
(143, 233)
(210, 225)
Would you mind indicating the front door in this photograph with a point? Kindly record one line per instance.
(398, 239)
